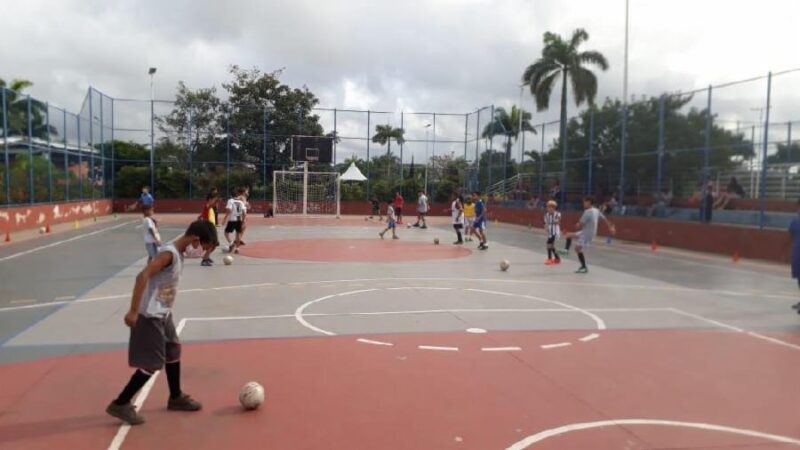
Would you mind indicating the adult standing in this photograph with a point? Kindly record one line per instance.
(398, 206)
(422, 210)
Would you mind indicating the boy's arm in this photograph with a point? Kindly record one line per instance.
(610, 225)
(153, 233)
(159, 263)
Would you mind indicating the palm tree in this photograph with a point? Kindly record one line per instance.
(562, 59)
(508, 125)
(17, 105)
(384, 134)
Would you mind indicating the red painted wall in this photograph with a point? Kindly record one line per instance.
(19, 218)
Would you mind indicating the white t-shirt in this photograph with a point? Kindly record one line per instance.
(390, 214)
(457, 213)
(236, 209)
(422, 204)
(149, 224)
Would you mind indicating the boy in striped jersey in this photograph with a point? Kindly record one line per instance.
(552, 225)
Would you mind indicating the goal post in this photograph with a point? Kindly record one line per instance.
(306, 193)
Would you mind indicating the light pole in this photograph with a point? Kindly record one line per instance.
(755, 173)
(427, 129)
(152, 73)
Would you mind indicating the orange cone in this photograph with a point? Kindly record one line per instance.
(47, 228)
(653, 246)
(736, 257)
(8, 236)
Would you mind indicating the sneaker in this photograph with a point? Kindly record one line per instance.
(563, 252)
(126, 413)
(582, 270)
(424, 227)
(236, 250)
(242, 244)
(416, 225)
(184, 403)
(206, 263)
(483, 246)
(230, 248)
(395, 237)
(556, 261)
(381, 235)
(549, 262)
(458, 242)
(796, 306)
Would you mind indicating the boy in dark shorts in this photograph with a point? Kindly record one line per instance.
(154, 343)
(235, 213)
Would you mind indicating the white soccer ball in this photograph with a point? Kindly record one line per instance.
(42, 230)
(504, 265)
(251, 396)
(227, 260)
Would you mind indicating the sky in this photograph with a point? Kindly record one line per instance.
(412, 56)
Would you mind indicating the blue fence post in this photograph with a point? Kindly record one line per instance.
(335, 136)
(433, 154)
(264, 151)
(591, 151)
(152, 147)
(660, 158)
(49, 154)
(477, 152)
(113, 154)
(622, 151)
(706, 157)
(228, 154)
(789, 142)
(402, 127)
(30, 152)
(80, 158)
(564, 160)
(762, 195)
(67, 179)
(491, 149)
(102, 147)
(369, 163)
(541, 163)
(91, 145)
(6, 159)
(189, 151)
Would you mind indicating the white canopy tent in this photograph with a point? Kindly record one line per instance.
(352, 174)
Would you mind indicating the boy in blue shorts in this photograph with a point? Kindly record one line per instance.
(154, 343)
(391, 221)
(480, 220)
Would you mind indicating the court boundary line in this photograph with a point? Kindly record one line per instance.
(64, 241)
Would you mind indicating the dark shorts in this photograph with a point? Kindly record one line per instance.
(153, 343)
(399, 211)
(233, 226)
(458, 226)
(551, 240)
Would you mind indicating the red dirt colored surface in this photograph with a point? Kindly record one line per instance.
(332, 393)
(344, 250)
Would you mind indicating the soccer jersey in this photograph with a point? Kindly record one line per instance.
(146, 199)
(391, 217)
(422, 204)
(469, 210)
(150, 224)
(589, 221)
(551, 223)
(480, 211)
(159, 295)
(237, 209)
(456, 213)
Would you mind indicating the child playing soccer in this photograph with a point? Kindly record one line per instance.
(552, 226)
(469, 219)
(152, 239)
(154, 343)
(210, 214)
(391, 221)
(794, 232)
(457, 214)
(422, 210)
(235, 213)
(479, 226)
(588, 230)
(376, 209)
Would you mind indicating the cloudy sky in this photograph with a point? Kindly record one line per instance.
(412, 55)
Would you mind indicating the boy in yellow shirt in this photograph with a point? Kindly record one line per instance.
(469, 218)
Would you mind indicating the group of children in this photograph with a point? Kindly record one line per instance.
(586, 232)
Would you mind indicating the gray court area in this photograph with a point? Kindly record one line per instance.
(628, 287)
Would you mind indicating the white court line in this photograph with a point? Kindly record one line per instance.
(559, 345)
(57, 243)
(437, 348)
(773, 340)
(542, 435)
(21, 301)
(370, 341)
(707, 320)
(123, 430)
(500, 349)
(589, 337)
(298, 314)
(64, 297)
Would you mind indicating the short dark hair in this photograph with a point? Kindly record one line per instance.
(241, 190)
(204, 230)
(589, 199)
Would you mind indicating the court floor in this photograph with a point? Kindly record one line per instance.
(363, 343)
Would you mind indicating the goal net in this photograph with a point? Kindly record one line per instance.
(305, 193)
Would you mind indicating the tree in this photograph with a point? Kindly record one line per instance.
(562, 59)
(17, 107)
(785, 154)
(384, 134)
(510, 126)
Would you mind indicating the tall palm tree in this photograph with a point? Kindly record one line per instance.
(508, 125)
(384, 134)
(562, 59)
(17, 105)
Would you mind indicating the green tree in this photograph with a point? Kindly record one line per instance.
(384, 135)
(17, 105)
(508, 125)
(785, 154)
(563, 59)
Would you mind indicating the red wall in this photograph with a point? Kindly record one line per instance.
(19, 218)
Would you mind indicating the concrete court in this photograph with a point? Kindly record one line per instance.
(364, 343)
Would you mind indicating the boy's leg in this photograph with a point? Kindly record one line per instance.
(581, 258)
(178, 400)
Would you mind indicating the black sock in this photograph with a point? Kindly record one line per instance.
(136, 382)
(174, 379)
(583, 260)
(569, 243)
(460, 239)
(549, 253)
(555, 255)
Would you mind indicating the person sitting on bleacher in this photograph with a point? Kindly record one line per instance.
(732, 191)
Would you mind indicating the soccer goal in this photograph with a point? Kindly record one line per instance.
(305, 193)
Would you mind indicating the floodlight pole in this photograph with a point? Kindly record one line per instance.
(305, 188)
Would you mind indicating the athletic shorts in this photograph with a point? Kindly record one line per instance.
(551, 240)
(153, 343)
(583, 241)
(470, 221)
(152, 250)
(399, 211)
(479, 225)
(422, 213)
(391, 224)
(458, 226)
(233, 226)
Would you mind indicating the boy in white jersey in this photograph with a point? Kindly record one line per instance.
(422, 210)
(587, 226)
(152, 239)
(457, 215)
(235, 213)
(154, 342)
(391, 221)
(552, 226)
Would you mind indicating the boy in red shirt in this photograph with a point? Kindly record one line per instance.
(398, 206)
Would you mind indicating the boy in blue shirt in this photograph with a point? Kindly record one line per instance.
(794, 232)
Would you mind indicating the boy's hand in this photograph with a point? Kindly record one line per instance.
(131, 317)
(612, 229)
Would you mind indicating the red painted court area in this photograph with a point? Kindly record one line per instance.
(341, 250)
(342, 394)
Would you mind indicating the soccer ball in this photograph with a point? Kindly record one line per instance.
(504, 265)
(436, 241)
(251, 396)
(228, 260)
(408, 226)
(42, 230)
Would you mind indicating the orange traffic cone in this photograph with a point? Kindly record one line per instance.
(653, 246)
(8, 236)
(47, 228)
(736, 257)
